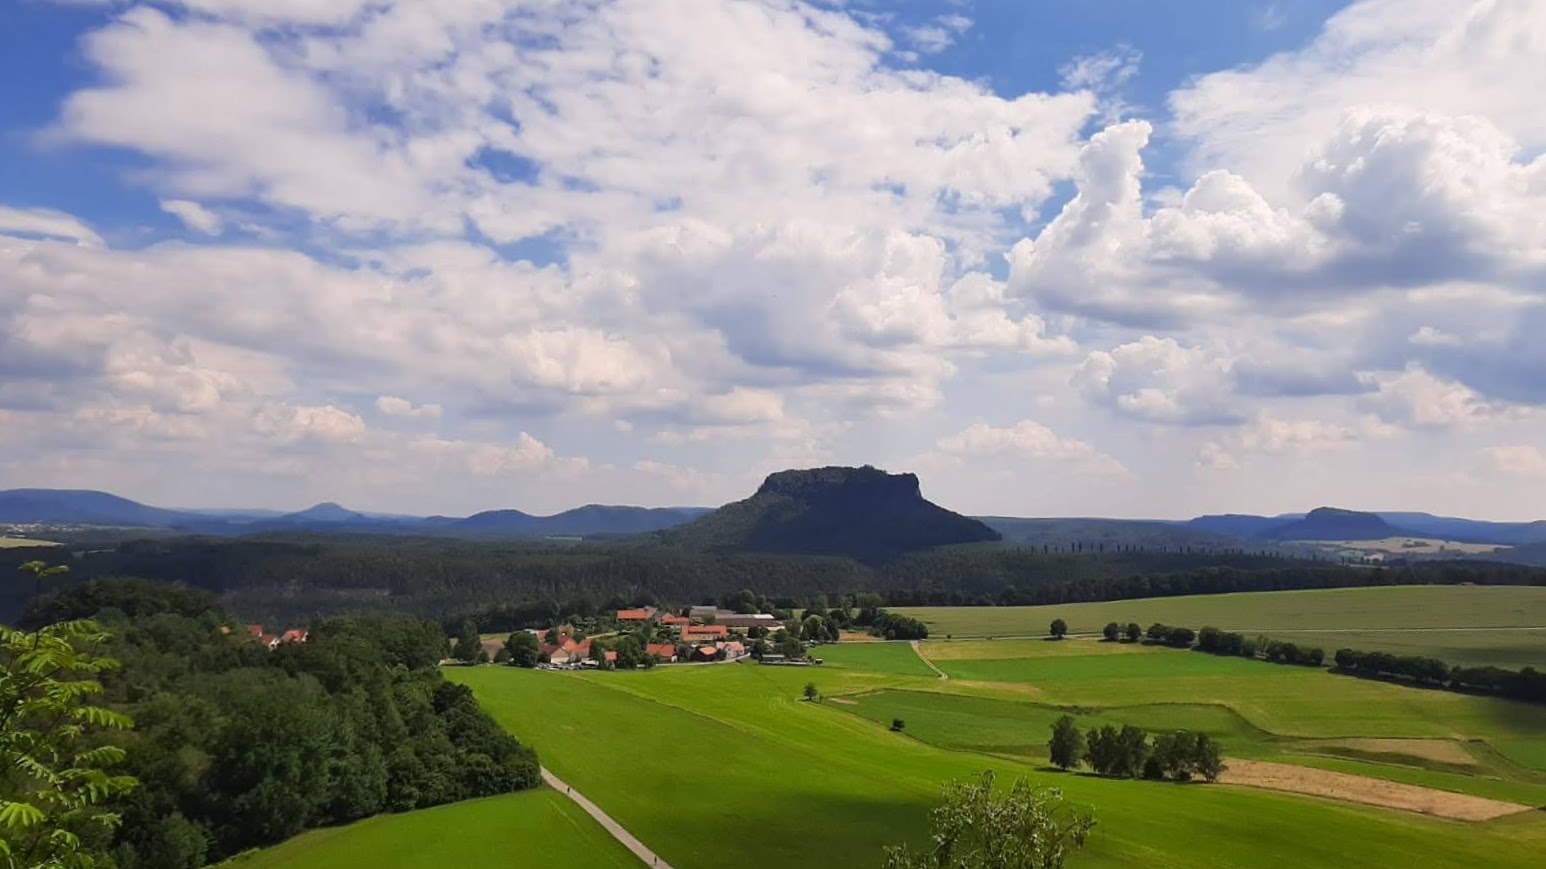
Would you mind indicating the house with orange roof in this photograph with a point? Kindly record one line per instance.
(733, 650)
(294, 635)
(637, 616)
(704, 633)
(255, 631)
(664, 651)
(270, 640)
(706, 652)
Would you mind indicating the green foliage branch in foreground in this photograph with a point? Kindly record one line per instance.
(976, 827)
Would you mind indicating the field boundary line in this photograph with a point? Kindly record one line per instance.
(618, 832)
(918, 650)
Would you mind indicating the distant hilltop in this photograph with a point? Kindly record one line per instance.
(859, 511)
(863, 513)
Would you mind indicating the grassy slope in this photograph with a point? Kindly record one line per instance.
(1288, 701)
(533, 828)
(892, 657)
(716, 766)
(1332, 618)
(1021, 728)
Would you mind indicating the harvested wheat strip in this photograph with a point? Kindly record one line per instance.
(1369, 791)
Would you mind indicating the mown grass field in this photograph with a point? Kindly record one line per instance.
(715, 766)
(1503, 625)
(1301, 702)
(892, 657)
(533, 828)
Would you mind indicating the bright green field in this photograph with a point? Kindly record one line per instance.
(876, 657)
(716, 766)
(1021, 728)
(1304, 702)
(1503, 625)
(533, 828)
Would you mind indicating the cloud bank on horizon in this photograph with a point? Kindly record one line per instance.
(444, 256)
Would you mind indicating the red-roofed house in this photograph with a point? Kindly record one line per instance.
(704, 632)
(707, 652)
(270, 640)
(559, 654)
(255, 631)
(665, 651)
(610, 655)
(643, 614)
(294, 635)
(676, 621)
(734, 650)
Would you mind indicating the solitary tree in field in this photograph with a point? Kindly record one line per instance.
(810, 691)
(1133, 632)
(1067, 744)
(897, 724)
(1059, 629)
(1024, 827)
(1111, 632)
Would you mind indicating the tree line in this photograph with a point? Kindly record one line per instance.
(1128, 752)
(509, 585)
(1525, 684)
(299, 576)
(236, 746)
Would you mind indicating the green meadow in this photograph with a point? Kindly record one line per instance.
(1287, 701)
(1460, 624)
(725, 765)
(891, 657)
(533, 828)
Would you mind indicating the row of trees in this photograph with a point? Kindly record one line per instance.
(1114, 632)
(1217, 642)
(509, 585)
(898, 627)
(1128, 752)
(236, 746)
(1179, 638)
(1526, 684)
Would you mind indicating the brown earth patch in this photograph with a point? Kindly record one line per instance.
(1445, 751)
(1365, 790)
(842, 701)
(859, 637)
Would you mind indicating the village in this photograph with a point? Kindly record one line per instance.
(647, 637)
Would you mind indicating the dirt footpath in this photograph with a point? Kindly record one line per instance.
(1369, 791)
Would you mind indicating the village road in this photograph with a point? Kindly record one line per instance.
(649, 857)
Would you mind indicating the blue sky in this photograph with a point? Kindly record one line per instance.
(1068, 257)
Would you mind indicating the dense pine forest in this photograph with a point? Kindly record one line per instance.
(300, 579)
(236, 745)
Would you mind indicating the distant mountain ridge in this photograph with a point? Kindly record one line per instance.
(85, 507)
(103, 509)
(1395, 524)
(862, 513)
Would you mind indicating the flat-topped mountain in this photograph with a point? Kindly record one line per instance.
(862, 513)
(1331, 523)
